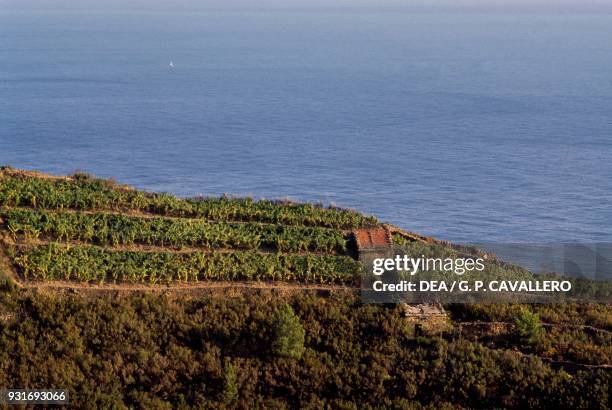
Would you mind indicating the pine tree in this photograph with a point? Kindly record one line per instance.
(230, 385)
(528, 327)
(289, 334)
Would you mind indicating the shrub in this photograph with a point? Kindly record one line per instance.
(528, 327)
(230, 384)
(288, 334)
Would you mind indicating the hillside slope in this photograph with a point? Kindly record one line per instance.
(80, 309)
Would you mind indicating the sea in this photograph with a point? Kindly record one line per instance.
(470, 126)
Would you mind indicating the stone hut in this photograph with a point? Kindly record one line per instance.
(370, 242)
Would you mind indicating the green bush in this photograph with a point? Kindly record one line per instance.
(288, 334)
(528, 327)
(230, 385)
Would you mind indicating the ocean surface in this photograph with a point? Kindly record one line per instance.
(471, 127)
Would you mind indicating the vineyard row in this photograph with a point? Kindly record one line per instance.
(86, 193)
(115, 229)
(93, 264)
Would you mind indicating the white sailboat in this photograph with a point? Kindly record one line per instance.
(171, 65)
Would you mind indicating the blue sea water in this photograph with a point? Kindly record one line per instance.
(472, 127)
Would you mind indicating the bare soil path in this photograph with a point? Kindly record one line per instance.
(184, 287)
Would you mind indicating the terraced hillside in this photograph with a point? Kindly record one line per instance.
(215, 348)
(83, 229)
